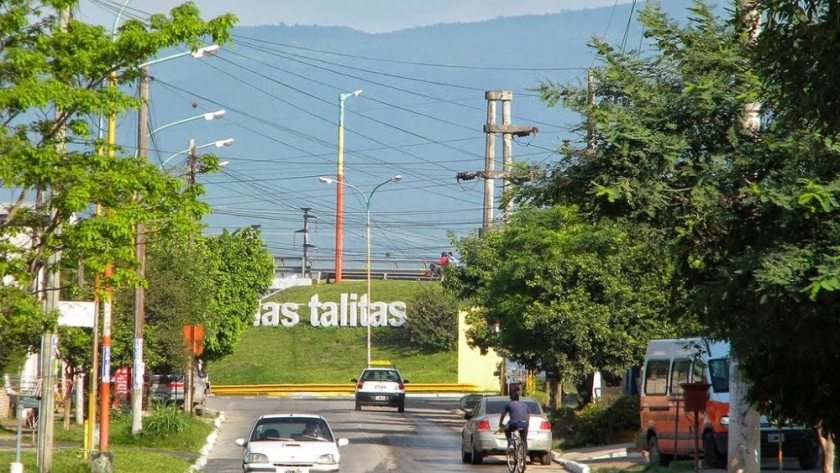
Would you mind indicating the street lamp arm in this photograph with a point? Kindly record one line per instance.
(199, 53)
(207, 116)
(217, 144)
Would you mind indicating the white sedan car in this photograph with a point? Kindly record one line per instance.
(479, 436)
(291, 443)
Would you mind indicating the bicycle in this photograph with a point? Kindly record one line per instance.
(515, 452)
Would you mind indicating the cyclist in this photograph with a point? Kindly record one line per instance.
(520, 416)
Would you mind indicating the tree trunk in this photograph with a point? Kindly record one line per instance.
(744, 437)
(68, 401)
(827, 444)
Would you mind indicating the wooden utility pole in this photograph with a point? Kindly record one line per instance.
(489, 174)
(744, 441)
(139, 368)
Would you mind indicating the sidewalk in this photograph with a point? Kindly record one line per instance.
(580, 460)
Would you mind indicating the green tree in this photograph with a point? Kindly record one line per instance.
(555, 292)
(244, 271)
(795, 54)
(180, 291)
(432, 319)
(55, 177)
(751, 217)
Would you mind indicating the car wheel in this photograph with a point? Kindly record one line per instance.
(711, 453)
(545, 458)
(466, 457)
(358, 406)
(809, 459)
(656, 455)
(477, 457)
(401, 407)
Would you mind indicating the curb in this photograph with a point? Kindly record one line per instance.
(201, 461)
(577, 467)
(570, 465)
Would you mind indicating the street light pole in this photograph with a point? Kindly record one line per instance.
(339, 191)
(367, 199)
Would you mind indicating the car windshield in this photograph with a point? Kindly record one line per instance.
(300, 429)
(496, 407)
(381, 375)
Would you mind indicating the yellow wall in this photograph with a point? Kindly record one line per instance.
(473, 367)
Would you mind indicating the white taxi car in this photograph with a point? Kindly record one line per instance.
(380, 385)
(291, 443)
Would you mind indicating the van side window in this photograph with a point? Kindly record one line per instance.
(679, 374)
(719, 370)
(656, 378)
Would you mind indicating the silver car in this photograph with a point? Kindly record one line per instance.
(480, 436)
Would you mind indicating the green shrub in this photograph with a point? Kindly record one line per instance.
(165, 420)
(432, 319)
(608, 420)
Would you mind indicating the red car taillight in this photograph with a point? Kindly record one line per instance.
(401, 385)
(545, 425)
(484, 425)
(361, 383)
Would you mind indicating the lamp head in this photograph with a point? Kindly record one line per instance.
(214, 115)
(357, 93)
(397, 178)
(223, 164)
(206, 51)
(222, 143)
(325, 180)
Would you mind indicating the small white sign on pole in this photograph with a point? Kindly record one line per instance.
(76, 314)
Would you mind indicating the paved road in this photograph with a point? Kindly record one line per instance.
(425, 438)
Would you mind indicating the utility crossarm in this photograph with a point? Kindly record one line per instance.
(512, 176)
(515, 130)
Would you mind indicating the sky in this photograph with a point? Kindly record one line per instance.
(372, 16)
(416, 118)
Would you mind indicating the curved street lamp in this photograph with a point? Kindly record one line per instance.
(366, 198)
(217, 144)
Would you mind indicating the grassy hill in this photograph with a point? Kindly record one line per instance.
(307, 354)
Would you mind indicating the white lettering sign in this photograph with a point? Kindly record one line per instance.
(350, 311)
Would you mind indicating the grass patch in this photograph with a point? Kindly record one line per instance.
(126, 460)
(306, 354)
(678, 467)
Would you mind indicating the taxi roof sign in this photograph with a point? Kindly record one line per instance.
(381, 363)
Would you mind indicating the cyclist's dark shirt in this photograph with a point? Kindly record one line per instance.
(517, 410)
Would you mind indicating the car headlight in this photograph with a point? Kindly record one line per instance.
(327, 459)
(724, 421)
(256, 458)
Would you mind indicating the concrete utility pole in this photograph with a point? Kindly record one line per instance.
(192, 163)
(139, 368)
(489, 174)
(49, 339)
(744, 441)
(306, 245)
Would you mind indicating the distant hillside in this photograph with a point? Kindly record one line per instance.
(307, 354)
